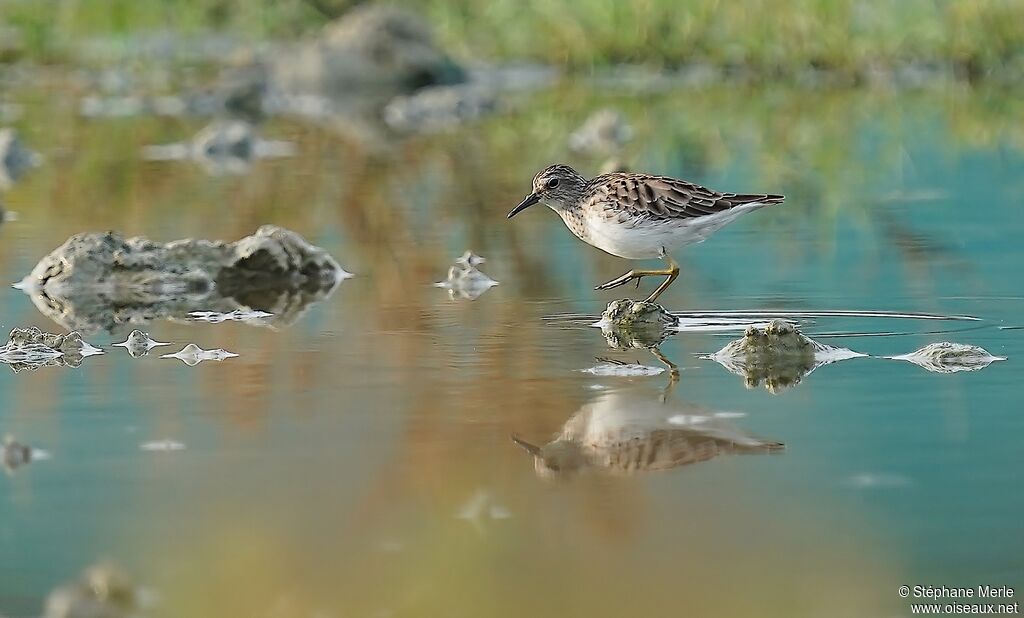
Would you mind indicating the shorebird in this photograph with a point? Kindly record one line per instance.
(638, 216)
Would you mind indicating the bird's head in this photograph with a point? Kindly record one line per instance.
(555, 460)
(557, 186)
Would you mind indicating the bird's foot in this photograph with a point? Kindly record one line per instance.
(623, 280)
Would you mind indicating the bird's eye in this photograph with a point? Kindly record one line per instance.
(552, 183)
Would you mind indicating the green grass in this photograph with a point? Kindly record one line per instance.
(766, 35)
(770, 37)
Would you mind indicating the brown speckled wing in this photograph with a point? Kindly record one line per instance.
(662, 198)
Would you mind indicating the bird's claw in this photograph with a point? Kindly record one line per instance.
(619, 281)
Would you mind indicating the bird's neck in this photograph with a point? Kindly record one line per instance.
(572, 216)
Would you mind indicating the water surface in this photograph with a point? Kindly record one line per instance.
(359, 461)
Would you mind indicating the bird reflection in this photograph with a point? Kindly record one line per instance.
(628, 431)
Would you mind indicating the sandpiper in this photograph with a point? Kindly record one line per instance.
(638, 216)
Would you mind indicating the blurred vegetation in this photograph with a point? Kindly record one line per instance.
(769, 37)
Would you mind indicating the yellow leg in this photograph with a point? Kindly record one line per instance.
(673, 373)
(671, 272)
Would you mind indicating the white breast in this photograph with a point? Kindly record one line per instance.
(643, 239)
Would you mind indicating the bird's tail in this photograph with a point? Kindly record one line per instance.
(763, 199)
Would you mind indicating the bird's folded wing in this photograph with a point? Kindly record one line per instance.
(661, 197)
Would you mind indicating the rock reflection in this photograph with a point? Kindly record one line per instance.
(612, 367)
(14, 454)
(625, 432)
(238, 315)
(102, 591)
(777, 355)
(228, 147)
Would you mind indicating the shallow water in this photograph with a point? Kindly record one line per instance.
(359, 461)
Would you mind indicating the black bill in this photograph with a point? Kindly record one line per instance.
(530, 200)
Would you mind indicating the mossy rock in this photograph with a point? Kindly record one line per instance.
(635, 324)
(778, 356)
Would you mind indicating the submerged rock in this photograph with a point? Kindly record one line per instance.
(96, 281)
(778, 355)
(15, 158)
(624, 433)
(946, 357)
(165, 446)
(192, 355)
(14, 454)
(604, 132)
(625, 370)
(139, 343)
(31, 348)
(102, 591)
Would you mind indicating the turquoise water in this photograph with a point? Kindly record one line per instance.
(359, 462)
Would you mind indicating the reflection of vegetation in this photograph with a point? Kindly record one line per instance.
(771, 37)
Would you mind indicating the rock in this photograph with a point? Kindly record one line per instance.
(778, 355)
(627, 313)
(439, 107)
(369, 49)
(96, 281)
(70, 344)
(192, 355)
(464, 280)
(946, 357)
(223, 140)
(14, 454)
(31, 348)
(604, 132)
(621, 432)
(139, 344)
(635, 324)
(468, 259)
(15, 158)
(222, 147)
(102, 591)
